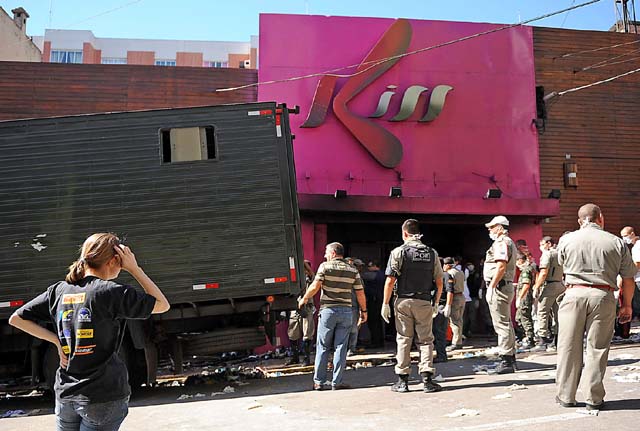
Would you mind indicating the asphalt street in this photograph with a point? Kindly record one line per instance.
(524, 400)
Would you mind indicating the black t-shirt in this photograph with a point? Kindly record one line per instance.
(89, 318)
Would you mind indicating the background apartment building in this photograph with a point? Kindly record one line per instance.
(82, 46)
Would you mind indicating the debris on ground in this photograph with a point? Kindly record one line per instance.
(228, 390)
(502, 396)
(485, 368)
(254, 406)
(463, 412)
(588, 412)
(517, 387)
(438, 378)
(549, 374)
(629, 378)
(184, 397)
(14, 414)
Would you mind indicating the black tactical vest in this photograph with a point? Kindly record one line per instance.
(416, 278)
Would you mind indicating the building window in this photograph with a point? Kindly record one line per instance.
(165, 62)
(66, 56)
(114, 60)
(216, 64)
(186, 144)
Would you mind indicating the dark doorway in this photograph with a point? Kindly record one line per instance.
(374, 240)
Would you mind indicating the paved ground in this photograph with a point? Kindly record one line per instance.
(286, 401)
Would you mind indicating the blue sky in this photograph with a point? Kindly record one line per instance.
(238, 20)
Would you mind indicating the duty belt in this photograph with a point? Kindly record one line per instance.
(591, 286)
(416, 295)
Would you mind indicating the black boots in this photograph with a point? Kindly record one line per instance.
(507, 365)
(402, 385)
(429, 384)
(295, 354)
(306, 347)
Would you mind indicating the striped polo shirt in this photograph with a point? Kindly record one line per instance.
(338, 279)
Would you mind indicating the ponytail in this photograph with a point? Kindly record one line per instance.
(76, 271)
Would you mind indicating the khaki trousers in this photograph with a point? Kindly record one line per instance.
(500, 309)
(592, 311)
(456, 319)
(414, 318)
(548, 307)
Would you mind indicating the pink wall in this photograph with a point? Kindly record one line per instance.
(484, 129)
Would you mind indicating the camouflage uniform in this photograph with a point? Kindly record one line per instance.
(523, 315)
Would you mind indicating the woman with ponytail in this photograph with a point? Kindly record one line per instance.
(87, 311)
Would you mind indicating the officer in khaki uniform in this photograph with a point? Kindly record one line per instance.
(592, 259)
(524, 299)
(548, 288)
(499, 271)
(412, 270)
(454, 308)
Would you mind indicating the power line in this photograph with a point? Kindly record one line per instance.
(586, 51)
(608, 61)
(557, 94)
(105, 12)
(567, 15)
(376, 63)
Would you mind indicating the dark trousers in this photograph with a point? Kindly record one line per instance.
(440, 324)
(374, 320)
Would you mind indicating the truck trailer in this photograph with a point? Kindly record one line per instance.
(204, 196)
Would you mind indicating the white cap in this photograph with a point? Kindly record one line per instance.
(498, 220)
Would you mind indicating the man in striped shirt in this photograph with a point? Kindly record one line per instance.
(337, 279)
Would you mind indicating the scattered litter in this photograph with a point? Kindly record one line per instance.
(15, 244)
(517, 387)
(175, 383)
(184, 397)
(254, 406)
(468, 355)
(485, 368)
(549, 374)
(213, 394)
(588, 412)
(629, 378)
(14, 414)
(438, 378)
(502, 396)
(228, 390)
(463, 412)
(41, 235)
(386, 364)
(628, 368)
(199, 395)
(623, 357)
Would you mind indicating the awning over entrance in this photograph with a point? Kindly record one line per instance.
(430, 205)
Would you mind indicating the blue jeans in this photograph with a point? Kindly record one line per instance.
(81, 416)
(334, 326)
(353, 335)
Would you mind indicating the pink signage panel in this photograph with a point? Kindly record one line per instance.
(447, 122)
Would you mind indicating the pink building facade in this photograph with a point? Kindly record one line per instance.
(436, 127)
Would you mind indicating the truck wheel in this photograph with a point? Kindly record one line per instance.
(50, 366)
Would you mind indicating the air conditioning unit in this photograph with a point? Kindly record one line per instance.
(246, 64)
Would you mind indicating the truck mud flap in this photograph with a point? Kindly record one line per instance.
(226, 340)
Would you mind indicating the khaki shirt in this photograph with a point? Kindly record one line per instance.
(549, 260)
(395, 261)
(502, 249)
(458, 281)
(592, 256)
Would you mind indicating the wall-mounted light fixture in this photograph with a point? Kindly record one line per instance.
(493, 194)
(340, 194)
(395, 192)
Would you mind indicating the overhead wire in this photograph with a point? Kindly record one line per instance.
(556, 94)
(608, 61)
(372, 64)
(122, 6)
(587, 51)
